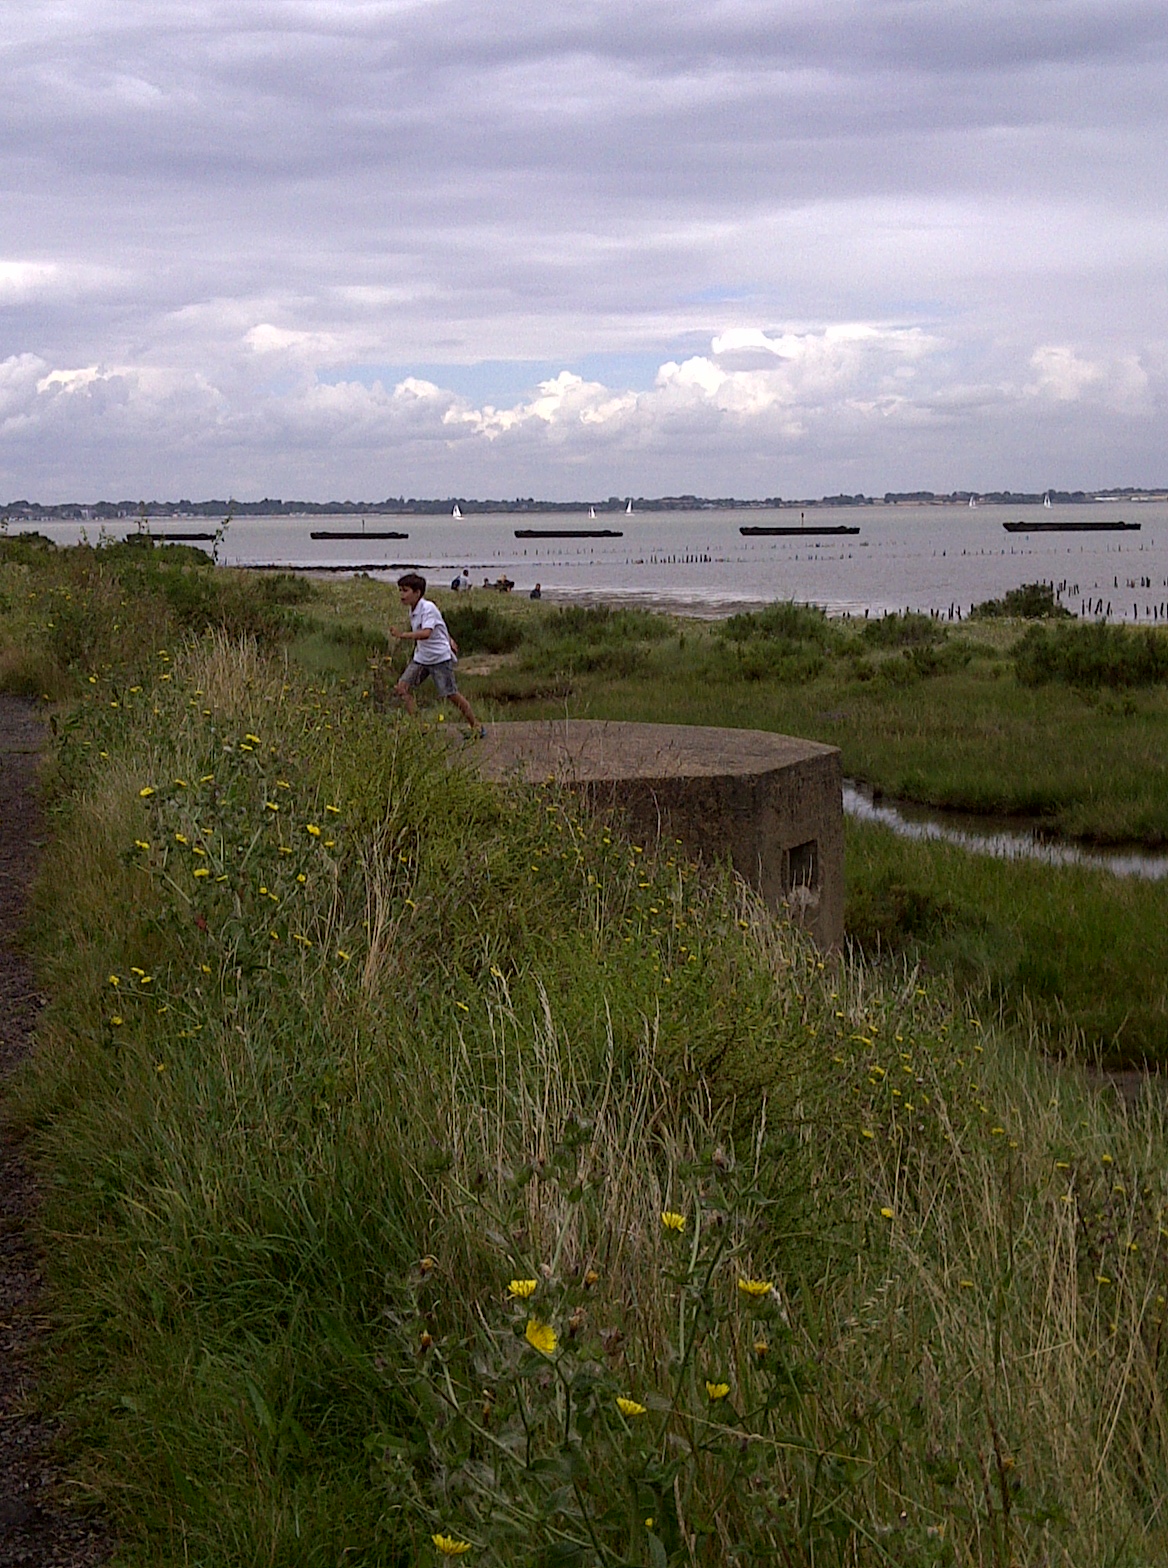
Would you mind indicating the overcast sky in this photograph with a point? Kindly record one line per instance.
(357, 248)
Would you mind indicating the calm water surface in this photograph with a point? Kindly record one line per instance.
(926, 558)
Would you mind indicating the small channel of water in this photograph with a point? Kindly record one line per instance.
(983, 836)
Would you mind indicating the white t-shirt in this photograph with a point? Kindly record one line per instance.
(434, 649)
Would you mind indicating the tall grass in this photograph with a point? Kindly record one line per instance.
(408, 1040)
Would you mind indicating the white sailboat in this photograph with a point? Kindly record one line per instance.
(973, 501)
(629, 508)
(592, 514)
(1046, 499)
(457, 512)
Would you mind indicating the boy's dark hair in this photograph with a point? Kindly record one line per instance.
(412, 581)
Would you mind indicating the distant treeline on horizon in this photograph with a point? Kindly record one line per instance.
(397, 506)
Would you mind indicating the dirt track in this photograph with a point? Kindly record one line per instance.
(36, 1528)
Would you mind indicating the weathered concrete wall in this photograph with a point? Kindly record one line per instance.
(770, 804)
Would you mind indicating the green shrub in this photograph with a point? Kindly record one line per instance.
(1031, 602)
(477, 628)
(903, 631)
(1092, 655)
(787, 624)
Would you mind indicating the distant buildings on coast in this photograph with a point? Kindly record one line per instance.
(401, 506)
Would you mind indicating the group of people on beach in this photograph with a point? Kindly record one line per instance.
(503, 584)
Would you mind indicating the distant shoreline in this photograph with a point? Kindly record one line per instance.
(98, 512)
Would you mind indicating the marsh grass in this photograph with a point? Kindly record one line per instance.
(1081, 955)
(337, 1100)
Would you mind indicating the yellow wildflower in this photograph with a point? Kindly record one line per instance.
(146, 791)
(311, 827)
(520, 1289)
(717, 1390)
(672, 1221)
(887, 1213)
(755, 1287)
(449, 1546)
(629, 1407)
(541, 1337)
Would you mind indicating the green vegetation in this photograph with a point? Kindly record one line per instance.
(426, 1166)
(1032, 602)
(1079, 955)
(1092, 656)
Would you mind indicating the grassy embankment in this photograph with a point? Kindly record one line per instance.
(340, 1043)
(1062, 726)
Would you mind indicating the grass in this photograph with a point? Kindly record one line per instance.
(307, 1120)
(1081, 955)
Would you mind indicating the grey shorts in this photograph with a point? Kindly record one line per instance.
(414, 674)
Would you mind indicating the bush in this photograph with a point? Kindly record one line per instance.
(477, 628)
(1031, 602)
(903, 631)
(789, 624)
(1091, 656)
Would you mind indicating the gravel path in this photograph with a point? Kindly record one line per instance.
(35, 1527)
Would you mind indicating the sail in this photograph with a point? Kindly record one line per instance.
(629, 508)
(592, 512)
(457, 512)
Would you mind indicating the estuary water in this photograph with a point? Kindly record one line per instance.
(937, 559)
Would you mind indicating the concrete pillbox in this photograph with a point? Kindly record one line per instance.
(770, 804)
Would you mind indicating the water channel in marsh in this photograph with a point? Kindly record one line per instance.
(995, 836)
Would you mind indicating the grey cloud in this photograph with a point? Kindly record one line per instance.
(243, 199)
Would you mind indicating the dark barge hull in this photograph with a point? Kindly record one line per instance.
(334, 533)
(837, 528)
(179, 538)
(569, 533)
(1071, 528)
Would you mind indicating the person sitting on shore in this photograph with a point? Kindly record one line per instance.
(536, 592)
(435, 651)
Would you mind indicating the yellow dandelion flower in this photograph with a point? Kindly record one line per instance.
(333, 811)
(311, 827)
(146, 791)
(520, 1289)
(541, 1337)
(140, 843)
(887, 1213)
(255, 740)
(866, 1132)
(629, 1407)
(271, 805)
(201, 871)
(717, 1390)
(672, 1221)
(450, 1546)
(343, 956)
(113, 980)
(117, 1022)
(761, 1347)
(755, 1287)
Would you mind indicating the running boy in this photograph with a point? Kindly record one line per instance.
(434, 653)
